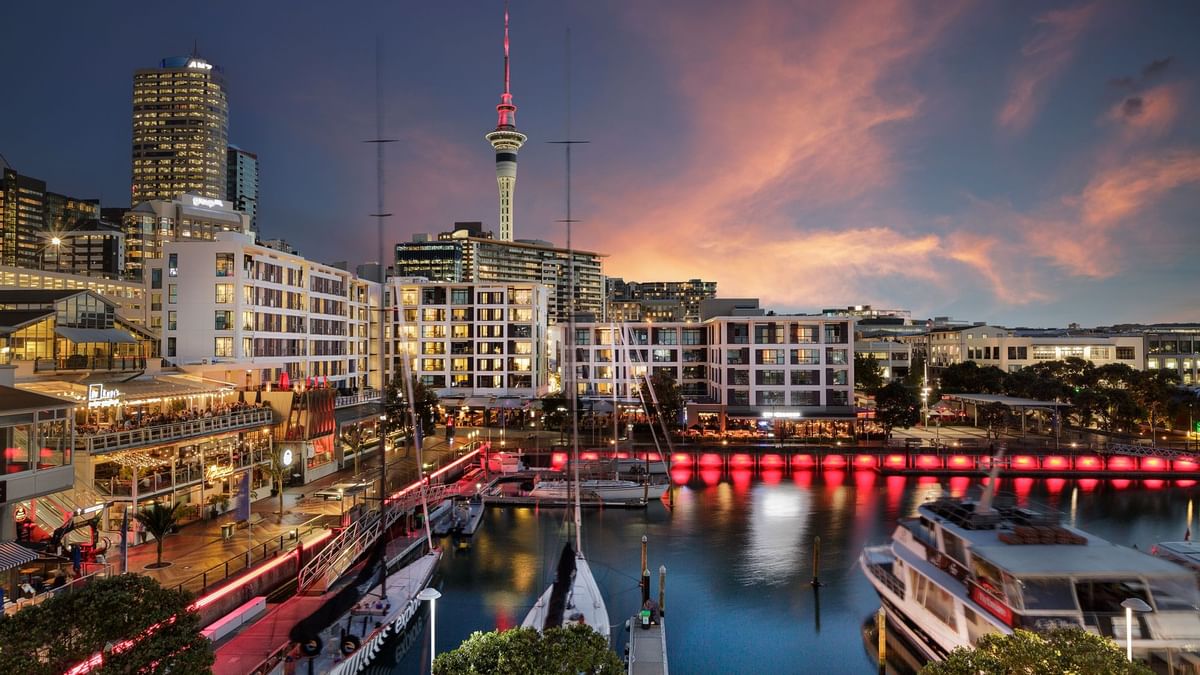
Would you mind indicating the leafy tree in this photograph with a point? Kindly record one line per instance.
(524, 651)
(425, 400)
(991, 416)
(278, 470)
(69, 628)
(868, 374)
(552, 417)
(896, 406)
(1066, 651)
(666, 392)
(1154, 391)
(968, 378)
(159, 520)
(354, 438)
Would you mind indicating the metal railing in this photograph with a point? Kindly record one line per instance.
(200, 582)
(81, 362)
(121, 440)
(367, 396)
(890, 580)
(154, 482)
(1143, 451)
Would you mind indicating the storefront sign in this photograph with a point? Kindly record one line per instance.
(992, 604)
(207, 202)
(20, 513)
(288, 457)
(99, 396)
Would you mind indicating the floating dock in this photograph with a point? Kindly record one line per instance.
(647, 647)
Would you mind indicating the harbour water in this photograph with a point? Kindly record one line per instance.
(738, 552)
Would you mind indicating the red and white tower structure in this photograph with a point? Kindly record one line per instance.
(506, 141)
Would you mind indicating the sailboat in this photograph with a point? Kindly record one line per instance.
(573, 597)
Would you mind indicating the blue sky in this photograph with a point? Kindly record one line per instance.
(1024, 163)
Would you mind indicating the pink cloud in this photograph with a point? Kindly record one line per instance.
(1043, 59)
(1149, 114)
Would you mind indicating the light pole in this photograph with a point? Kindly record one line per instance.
(1132, 605)
(431, 594)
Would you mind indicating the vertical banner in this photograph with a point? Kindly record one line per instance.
(243, 507)
(125, 541)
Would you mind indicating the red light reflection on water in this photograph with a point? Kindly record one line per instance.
(927, 480)
(1055, 485)
(741, 479)
(681, 475)
(1023, 486)
(1088, 484)
(1121, 483)
(1153, 483)
(803, 478)
(772, 476)
(864, 480)
(895, 492)
(503, 620)
(710, 476)
(959, 485)
(1185, 483)
(834, 478)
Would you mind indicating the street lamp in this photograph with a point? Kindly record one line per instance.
(431, 594)
(1132, 605)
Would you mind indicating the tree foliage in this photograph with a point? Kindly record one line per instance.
(69, 628)
(159, 520)
(425, 400)
(1064, 651)
(279, 471)
(552, 416)
(868, 374)
(896, 406)
(666, 391)
(968, 378)
(524, 651)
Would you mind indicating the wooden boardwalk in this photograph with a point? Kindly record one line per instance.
(647, 647)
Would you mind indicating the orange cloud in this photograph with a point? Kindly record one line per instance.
(1149, 114)
(1043, 59)
(1125, 190)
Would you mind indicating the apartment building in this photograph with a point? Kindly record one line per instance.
(154, 223)
(1010, 350)
(246, 314)
(473, 339)
(615, 356)
(894, 357)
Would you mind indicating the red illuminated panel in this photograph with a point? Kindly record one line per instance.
(960, 462)
(679, 458)
(803, 462)
(864, 461)
(1056, 463)
(655, 457)
(1154, 464)
(622, 455)
(1024, 462)
(928, 462)
(1121, 463)
(589, 456)
(711, 459)
(834, 461)
(1088, 463)
(1186, 465)
(741, 461)
(558, 459)
(895, 461)
(770, 461)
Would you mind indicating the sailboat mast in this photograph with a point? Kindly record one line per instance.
(616, 366)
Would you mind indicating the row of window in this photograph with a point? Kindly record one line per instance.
(810, 398)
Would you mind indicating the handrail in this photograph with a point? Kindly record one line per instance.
(890, 580)
(120, 440)
(237, 563)
(367, 396)
(1143, 451)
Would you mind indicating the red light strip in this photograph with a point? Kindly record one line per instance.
(435, 474)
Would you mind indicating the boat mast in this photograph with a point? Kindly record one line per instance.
(616, 366)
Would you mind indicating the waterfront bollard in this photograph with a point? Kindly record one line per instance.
(645, 580)
(816, 562)
(881, 628)
(662, 590)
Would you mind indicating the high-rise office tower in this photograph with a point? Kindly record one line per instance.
(180, 130)
(241, 183)
(506, 141)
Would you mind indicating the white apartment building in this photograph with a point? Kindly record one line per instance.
(894, 357)
(615, 356)
(474, 339)
(244, 314)
(1011, 350)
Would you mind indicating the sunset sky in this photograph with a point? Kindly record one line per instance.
(1022, 163)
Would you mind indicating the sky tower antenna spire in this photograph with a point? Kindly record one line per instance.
(506, 141)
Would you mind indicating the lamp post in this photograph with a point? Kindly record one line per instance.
(431, 595)
(1132, 605)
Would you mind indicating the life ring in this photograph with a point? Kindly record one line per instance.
(350, 644)
(310, 647)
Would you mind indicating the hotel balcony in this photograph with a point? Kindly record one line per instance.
(167, 433)
(365, 396)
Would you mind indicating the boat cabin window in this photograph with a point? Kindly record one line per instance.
(926, 531)
(953, 546)
(1105, 597)
(934, 598)
(977, 626)
(1175, 594)
(988, 576)
(1047, 594)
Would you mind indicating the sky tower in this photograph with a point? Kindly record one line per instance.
(506, 141)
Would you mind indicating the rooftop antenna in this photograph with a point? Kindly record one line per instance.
(570, 348)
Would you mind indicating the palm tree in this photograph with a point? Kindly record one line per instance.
(159, 520)
(279, 468)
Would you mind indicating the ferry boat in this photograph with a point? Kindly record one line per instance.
(963, 568)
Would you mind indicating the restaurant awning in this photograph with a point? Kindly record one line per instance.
(88, 335)
(14, 555)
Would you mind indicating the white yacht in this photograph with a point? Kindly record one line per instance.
(963, 568)
(607, 491)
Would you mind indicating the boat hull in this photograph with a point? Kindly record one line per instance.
(606, 491)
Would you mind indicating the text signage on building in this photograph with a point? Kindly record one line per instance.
(98, 395)
(208, 202)
(992, 604)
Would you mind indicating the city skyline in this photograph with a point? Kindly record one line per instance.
(1031, 164)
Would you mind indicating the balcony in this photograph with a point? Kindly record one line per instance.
(166, 433)
(81, 362)
(365, 396)
(154, 481)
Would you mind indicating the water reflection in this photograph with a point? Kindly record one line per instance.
(738, 550)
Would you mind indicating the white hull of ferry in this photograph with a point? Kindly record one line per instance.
(604, 490)
(584, 603)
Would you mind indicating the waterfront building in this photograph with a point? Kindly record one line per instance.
(90, 247)
(506, 141)
(151, 225)
(656, 300)
(464, 258)
(894, 357)
(1013, 349)
(128, 297)
(470, 340)
(180, 130)
(614, 357)
(241, 182)
(239, 312)
(36, 431)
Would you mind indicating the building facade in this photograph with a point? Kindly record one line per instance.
(615, 357)
(656, 300)
(91, 247)
(1174, 347)
(894, 357)
(151, 225)
(241, 182)
(32, 220)
(473, 339)
(246, 314)
(129, 297)
(180, 130)
(474, 259)
(1010, 350)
